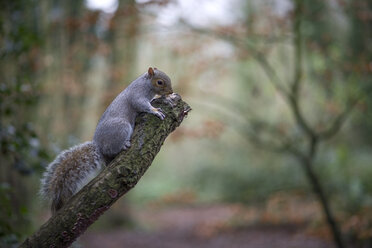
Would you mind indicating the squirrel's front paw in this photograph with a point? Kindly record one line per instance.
(159, 113)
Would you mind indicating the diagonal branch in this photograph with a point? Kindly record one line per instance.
(281, 144)
(121, 175)
(297, 42)
(338, 122)
(268, 69)
(274, 79)
(293, 97)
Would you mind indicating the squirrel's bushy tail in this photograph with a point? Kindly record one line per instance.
(69, 172)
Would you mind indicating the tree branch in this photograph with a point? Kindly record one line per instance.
(338, 122)
(293, 97)
(282, 144)
(121, 175)
(256, 54)
(297, 41)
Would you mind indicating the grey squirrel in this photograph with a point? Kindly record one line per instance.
(75, 167)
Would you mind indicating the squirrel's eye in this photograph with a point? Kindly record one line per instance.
(160, 82)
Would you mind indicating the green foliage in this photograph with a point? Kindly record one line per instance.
(346, 172)
(19, 87)
(247, 183)
(21, 152)
(8, 233)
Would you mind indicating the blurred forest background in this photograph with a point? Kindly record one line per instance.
(279, 137)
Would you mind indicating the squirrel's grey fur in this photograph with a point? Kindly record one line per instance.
(116, 125)
(75, 167)
(69, 172)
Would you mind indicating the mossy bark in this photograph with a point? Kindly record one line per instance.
(115, 180)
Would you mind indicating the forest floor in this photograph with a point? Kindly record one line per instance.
(203, 227)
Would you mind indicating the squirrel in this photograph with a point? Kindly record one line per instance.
(74, 168)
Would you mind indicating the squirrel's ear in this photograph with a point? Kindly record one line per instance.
(151, 72)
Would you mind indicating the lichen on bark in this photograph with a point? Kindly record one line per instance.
(114, 181)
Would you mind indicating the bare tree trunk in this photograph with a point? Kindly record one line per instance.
(310, 133)
(307, 164)
(113, 182)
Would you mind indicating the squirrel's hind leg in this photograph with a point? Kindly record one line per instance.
(115, 138)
